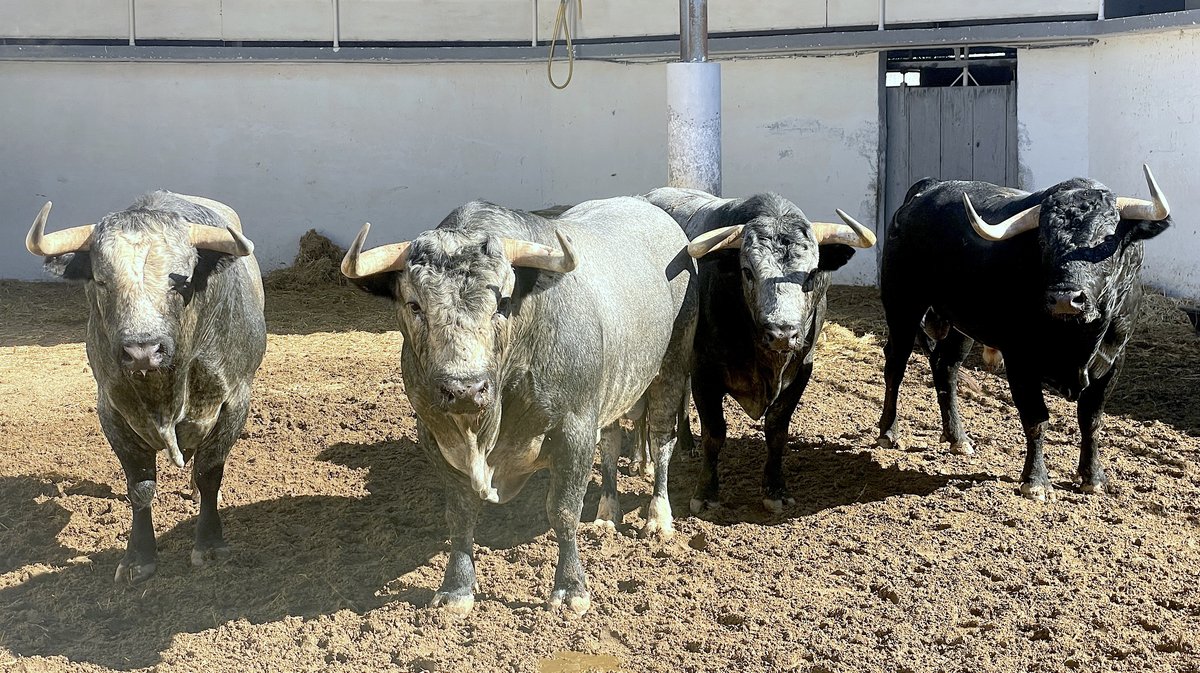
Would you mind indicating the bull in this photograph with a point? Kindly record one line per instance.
(175, 333)
(764, 270)
(1052, 285)
(525, 341)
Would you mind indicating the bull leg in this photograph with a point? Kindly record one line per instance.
(668, 394)
(901, 334)
(139, 562)
(457, 593)
(210, 542)
(208, 472)
(683, 430)
(1027, 395)
(779, 416)
(708, 396)
(1091, 418)
(571, 462)
(945, 360)
(608, 513)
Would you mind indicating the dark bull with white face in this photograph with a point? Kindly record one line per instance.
(525, 340)
(764, 270)
(175, 333)
(1053, 286)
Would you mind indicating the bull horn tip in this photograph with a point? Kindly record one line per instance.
(866, 236)
(569, 261)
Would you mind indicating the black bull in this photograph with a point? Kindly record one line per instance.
(1057, 296)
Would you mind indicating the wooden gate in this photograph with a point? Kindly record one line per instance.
(949, 133)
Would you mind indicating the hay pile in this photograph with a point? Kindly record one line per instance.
(317, 263)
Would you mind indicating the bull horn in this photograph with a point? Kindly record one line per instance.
(538, 256)
(717, 239)
(359, 264)
(217, 207)
(853, 233)
(75, 239)
(1140, 209)
(1021, 222)
(221, 239)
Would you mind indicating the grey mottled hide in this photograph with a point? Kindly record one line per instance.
(144, 278)
(563, 356)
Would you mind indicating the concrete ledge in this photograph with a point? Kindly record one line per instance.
(665, 48)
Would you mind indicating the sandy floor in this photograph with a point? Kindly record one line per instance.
(903, 560)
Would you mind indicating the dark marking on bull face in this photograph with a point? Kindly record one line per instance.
(455, 304)
(784, 275)
(142, 273)
(1084, 244)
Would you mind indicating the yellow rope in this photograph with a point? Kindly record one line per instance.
(561, 24)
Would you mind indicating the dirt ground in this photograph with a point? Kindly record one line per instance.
(902, 560)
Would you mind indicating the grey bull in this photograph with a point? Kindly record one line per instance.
(175, 333)
(525, 340)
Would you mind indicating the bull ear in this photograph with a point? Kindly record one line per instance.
(208, 263)
(379, 284)
(834, 256)
(1143, 229)
(73, 266)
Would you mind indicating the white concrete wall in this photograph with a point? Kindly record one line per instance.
(297, 146)
(1104, 110)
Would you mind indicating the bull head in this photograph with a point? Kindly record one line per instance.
(1129, 208)
(143, 269)
(454, 292)
(783, 274)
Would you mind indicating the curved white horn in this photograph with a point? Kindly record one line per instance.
(538, 256)
(1021, 222)
(75, 239)
(1140, 209)
(717, 239)
(359, 264)
(853, 233)
(222, 239)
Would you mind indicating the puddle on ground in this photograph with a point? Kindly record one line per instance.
(579, 662)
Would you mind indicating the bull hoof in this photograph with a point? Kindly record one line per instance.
(659, 521)
(129, 572)
(1094, 486)
(1038, 492)
(569, 602)
(458, 605)
(775, 505)
(604, 526)
(608, 512)
(646, 469)
(963, 448)
(888, 441)
(698, 505)
(204, 556)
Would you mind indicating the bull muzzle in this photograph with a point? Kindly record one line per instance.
(465, 395)
(1066, 303)
(143, 354)
(782, 337)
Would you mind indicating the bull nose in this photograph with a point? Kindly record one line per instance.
(781, 336)
(142, 355)
(467, 393)
(1066, 302)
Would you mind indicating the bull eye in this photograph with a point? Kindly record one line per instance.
(747, 274)
(414, 308)
(809, 282)
(504, 306)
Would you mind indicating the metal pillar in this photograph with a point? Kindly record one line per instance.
(694, 106)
